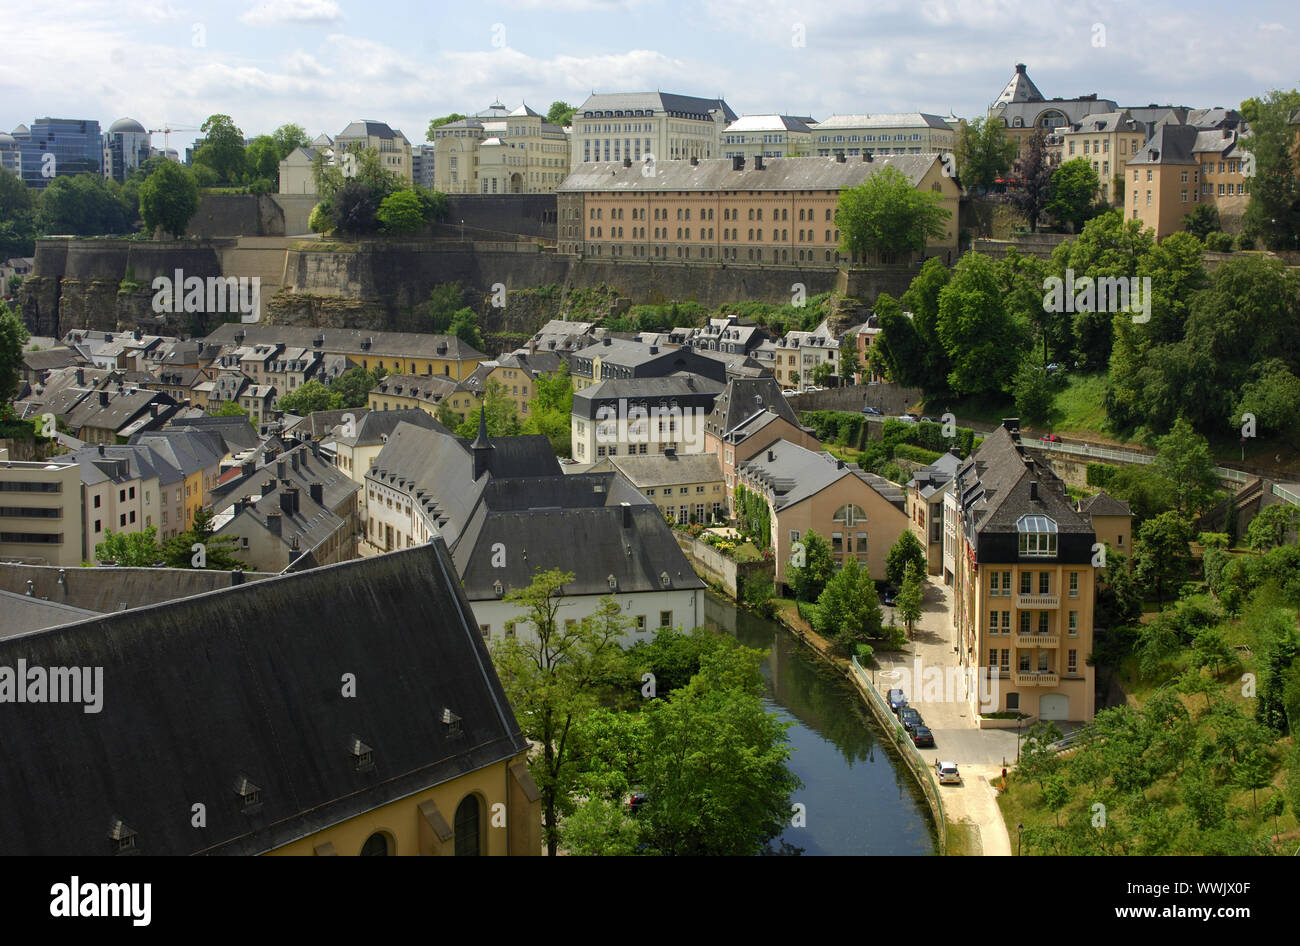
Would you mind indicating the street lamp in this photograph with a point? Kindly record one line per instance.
(462, 230)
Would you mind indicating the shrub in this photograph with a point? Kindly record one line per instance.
(1218, 242)
(1245, 242)
(1101, 475)
(906, 451)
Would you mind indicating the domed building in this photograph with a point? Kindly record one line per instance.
(126, 146)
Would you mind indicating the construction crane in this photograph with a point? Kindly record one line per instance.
(167, 135)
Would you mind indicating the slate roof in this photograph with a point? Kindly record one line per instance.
(26, 613)
(237, 432)
(1103, 504)
(189, 449)
(376, 425)
(322, 423)
(716, 174)
(431, 388)
(744, 398)
(791, 474)
(121, 462)
(244, 683)
(1020, 88)
(367, 128)
(659, 102)
(929, 480)
(661, 470)
(122, 408)
(1169, 144)
(545, 521)
(48, 358)
(346, 341)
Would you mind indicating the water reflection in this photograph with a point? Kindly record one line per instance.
(858, 799)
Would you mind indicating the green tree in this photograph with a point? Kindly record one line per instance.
(822, 373)
(906, 550)
(848, 610)
(218, 552)
(288, 137)
(1073, 193)
(886, 215)
(811, 577)
(501, 415)
(13, 339)
(439, 122)
(850, 365)
(229, 409)
(1163, 554)
(1035, 173)
(554, 674)
(353, 386)
(1273, 214)
(912, 596)
(922, 300)
(355, 208)
(222, 149)
(445, 299)
(984, 153)
(1032, 389)
(984, 343)
(561, 113)
(401, 212)
(169, 197)
(1202, 221)
(17, 217)
(311, 396)
(1270, 526)
(129, 549)
(1183, 458)
(85, 204)
(715, 763)
(464, 325)
(262, 164)
(1272, 399)
(549, 411)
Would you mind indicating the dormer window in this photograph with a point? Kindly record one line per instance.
(250, 796)
(451, 723)
(121, 836)
(363, 757)
(1037, 536)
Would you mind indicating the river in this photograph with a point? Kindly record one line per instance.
(858, 798)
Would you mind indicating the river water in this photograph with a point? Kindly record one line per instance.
(858, 798)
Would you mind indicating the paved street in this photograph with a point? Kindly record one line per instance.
(927, 672)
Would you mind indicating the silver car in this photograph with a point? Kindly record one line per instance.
(947, 773)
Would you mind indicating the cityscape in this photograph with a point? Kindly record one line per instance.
(894, 461)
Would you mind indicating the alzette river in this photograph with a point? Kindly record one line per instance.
(858, 797)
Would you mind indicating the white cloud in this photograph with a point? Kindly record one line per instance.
(293, 13)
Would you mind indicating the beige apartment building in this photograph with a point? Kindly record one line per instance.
(767, 136)
(497, 151)
(394, 150)
(639, 126)
(859, 513)
(1023, 110)
(40, 511)
(1183, 166)
(1025, 580)
(1107, 140)
(882, 134)
(780, 210)
(686, 488)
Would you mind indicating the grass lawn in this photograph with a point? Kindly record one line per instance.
(964, 840)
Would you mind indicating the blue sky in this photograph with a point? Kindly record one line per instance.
(323, 63)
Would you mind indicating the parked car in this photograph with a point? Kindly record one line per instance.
(637, 800)
(872, 410)
(906, 418)
(922, 738)
(947, 773)
(928, 420)
(1051, 438)
(910, 718)
(897, 700)
(889, 597)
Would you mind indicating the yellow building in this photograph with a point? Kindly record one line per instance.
(688, 488)
(317, 723)
(393, 148)
(766, 211)
(1025, 568)
(40, 519)
(767, 136)
(500, 152)
(427, 393)
(1180, 167)
(1107, 141)
(1022, 110)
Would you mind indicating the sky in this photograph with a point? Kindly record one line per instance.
(323, 63)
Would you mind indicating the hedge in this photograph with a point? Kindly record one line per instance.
(907, 451)
(1101, 475)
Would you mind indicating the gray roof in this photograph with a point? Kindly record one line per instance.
(931, 479)
(26, 613)
(242, 683)
(662, 470)
(759, 123)
(122, 462)
(659, 102)
(375, 426)
(237, 432)
(792, 474)
(367, 128)
(123, 407)
(544, 519)
(1020, 88)
(716, 174)
(48, 358)
(995, 483)
(189, 449)
(426, 387)
(883, 120)
(743, 399)
(1102, 503)
(346, 340)
(1169, 144)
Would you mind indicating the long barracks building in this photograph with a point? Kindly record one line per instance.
(777, 210)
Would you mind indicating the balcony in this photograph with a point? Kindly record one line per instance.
(1035, 678)
(1037, 640)
(1037, 602)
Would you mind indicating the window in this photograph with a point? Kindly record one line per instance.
(1006, 584)
(1043, 622)
(1024, 622)
(640, 622)
(1044, 583)
(467, 827)
(1037, 538)
(1006, 622)
(1013, 700)
(665, 619)
(993, 658)
(486, 631)
(377, 844)
(995, 588)
(1006, 661)
(849, 515)
(993, 621)
(1074, 584)
(794, 536)
(1026, 579)
(837, 542)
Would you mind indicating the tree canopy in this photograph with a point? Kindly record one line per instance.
(887, 215)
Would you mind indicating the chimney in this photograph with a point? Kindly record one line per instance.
(840, 157)
(81, 376)
(247, 467)
(654, 349)
(293, 460)
(627, 162)
(758, 162)
(103, 399)
(738, 162)
(670, 453)
(1011, 423)
(101, 449)
(955, 451)
(279, 469)
(1033, 489)
(268, 455)
(1020, 68)
(268, 487)
(627, 515)
(607, 340)
(273, 523)
(317, 491)
(771, 456)
(287, 498)
(695, 162)
(237, 577)
(315, 448)
(153, 409)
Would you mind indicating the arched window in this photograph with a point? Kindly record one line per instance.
(376, 845)
(850, 515)
(467, 827)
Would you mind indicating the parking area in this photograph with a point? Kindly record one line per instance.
(929, 674)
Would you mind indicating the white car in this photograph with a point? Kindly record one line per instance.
(947, 773)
